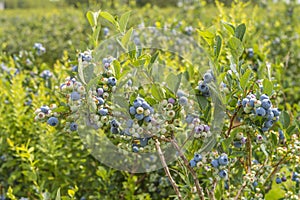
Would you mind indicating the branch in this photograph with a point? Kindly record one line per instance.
(164, 164)
(191, 170)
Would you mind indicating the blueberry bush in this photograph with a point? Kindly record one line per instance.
(195, 102)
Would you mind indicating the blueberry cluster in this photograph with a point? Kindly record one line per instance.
(202, 131)
(40, 49)
(197, 158)
(46, 74)
(141, 110)
(279, 179)
(45, 112)
(261, 107)
(219, 163)
(203, 84)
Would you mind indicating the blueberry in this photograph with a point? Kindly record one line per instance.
(137, 103)
(180, 93)
(255, 184)
(143, 142)
(129, 123)
(145, 105)
(135, 149)
(73, 126)
(237, 144)
(183, 100)
(75, 96)
(263, 96)
(266, 104)
(215, 163)
(260, 112)
(147, 119)
(223, 160)
(278, 180)
(223, 173)
(264, 129)
(281, 135)
(45, 109)
(52, 121)
(100, 100)
(206, 128)
(103, 111)
(226, 185)
(171, 100)
(189, 119)
(199, 129)
(283, 179)
(203, 88)
(245, 102)
(112, 81)
(268, 124)
(114, 123)
(275, 112)
(114, 130)
(270, 114)
(132, 110)
(139, 116)
(193, 163)
(197, 157)
(100, 91)
(252, 102)
(207, 77)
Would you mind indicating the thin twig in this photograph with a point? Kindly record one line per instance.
(240, 191)
(167, 171)
(191, 170)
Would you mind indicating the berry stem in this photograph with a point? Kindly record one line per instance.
(167, 171)
(231, 122)
(193, 173)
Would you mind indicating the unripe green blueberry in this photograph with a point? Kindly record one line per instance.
(140, 110)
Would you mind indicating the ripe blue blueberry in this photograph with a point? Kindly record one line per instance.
(266, 104)
(199, 129)
(189, 119)
(263, 96)
(100, 100)
(223, 160)
(135, 149)
(103, 111)
(112, 81)
(147, 119)
(183, 100)
(100, 91)
(268, 124)
(202, 87)
(244, 102)
(264, 129)
(237, 144)
(275, 112)
(283, 179)
(197, 157)
(180, 93)
(252, 102)
(114, 130)
(223, 173)
(281, 135)
(143, 142)
(114, 123)
(45, 109)
(75, 96)
(193, 163)
(171, 100)
(145, 105)
(129, 123)
(139, 116)
(260, 112)
(52, 121)
(207, 77)
(215, 163)
(255, 184)
(278, 180)
(132, 110)
(73, 126)
(137, 103)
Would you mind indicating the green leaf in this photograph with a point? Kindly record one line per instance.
(173, 82)
(80, 71)
(236, 47)
(117, 68)
(123, 21)
(91, 19)
(207, 36)
(157, 92)
(58, 197)
(263, 149)
(229, 27)
(126, 37)
(218, 46)
(109, 17)
(267, 87)
(244, 81)
(284, 119)
(240, 31)
(61, 109)
(151, 101)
